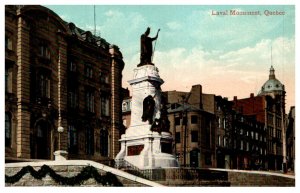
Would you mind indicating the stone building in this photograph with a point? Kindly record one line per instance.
(192, 127)
(268, 108)
(191, 124)
(290, 139)
(209, 132)
(239, 138)
(57, 75)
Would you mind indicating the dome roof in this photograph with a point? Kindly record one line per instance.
(272, 84)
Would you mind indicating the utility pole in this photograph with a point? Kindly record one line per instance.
(184, 126)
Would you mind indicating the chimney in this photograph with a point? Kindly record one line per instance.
(235, 98)
(251, 95)
(195, 97)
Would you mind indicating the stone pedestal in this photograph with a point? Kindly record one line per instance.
(60, 155)
(140, 146)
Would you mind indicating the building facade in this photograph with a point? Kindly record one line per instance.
(268, 108)
(57, 75)
(211, 131)
(192, 127)
(290, 139)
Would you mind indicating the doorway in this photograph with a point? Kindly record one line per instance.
(194, 162)
(40, 140)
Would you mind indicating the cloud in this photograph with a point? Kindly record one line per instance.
(174, 25)
(232, 73)
(113, 13)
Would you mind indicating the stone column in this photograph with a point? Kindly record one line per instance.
(283, 134)
(117, 65)
(23, 88)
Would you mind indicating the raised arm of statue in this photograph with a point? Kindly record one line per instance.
(156, 35)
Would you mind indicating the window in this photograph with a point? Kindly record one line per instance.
(278, 122)
(219, 122)
(124, 106)
(207, 133)
(252, 135)
(72, 66)
(177, 137)
(89, 137)
(177, 120)
(8, 129)
(247, 146)
(184, 120)
(72, 139)
(234, 143)
(104, 142)
(105, 106)
(44, 50)
(73, 99)
(43, 85)
(88, 71)
(224, 123)
(8, 80)
(104, 78)
(207, 159)
(256, 135)
(270, 131)
(219, 140)
(241, 131)
(242, 145)
(278, 134)
(194, 119)
(8, 43)
(194, 136)
(270, 119)
(90, 101)
(225, 141)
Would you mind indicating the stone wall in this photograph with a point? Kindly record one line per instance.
(258, 178)
(216, 177)
(69, 169)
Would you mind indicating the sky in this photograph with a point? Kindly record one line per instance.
(228, 55)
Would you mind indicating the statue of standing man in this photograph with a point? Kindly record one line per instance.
(147, 48)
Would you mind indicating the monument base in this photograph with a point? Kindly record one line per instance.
(141, 147)
(149, 151)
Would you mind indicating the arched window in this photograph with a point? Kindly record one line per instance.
(104, 142)
(8, 129)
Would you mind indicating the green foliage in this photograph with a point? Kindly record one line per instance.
(108, 179)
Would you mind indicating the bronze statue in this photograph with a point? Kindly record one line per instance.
(148, 109)
(147, 48)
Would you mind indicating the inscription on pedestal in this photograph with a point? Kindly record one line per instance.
(134, 150)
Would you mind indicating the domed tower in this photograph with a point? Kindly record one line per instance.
(272, 86)
(274, 94)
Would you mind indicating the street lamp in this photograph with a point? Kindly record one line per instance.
(60, 130)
